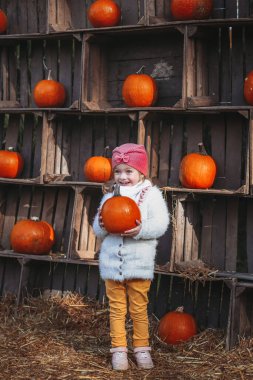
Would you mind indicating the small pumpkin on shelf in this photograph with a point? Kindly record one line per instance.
(3, 21)
(139, 90)
(98, 168)
(120, 213)
(32, 236)
(191, 9)
(49, 93)
(197, 170)
(11, 163)
(177, 326)
(104, 13)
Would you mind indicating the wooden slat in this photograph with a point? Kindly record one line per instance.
(219, 235)
(188, 235)
(206, 235)
(27, 146)
(85, 144)
(65, 69)
(249, 241)
(165, 139)
(214, 304)
(93, 281)
(217, 130)
(10, 216)
(11, 139)
(36, 203)
(233, 149)
(48, 205)
(60, 217)
(176, 153)
(36, 66)
(194, 133)
(231, 234)
(24, 203)
(179, 230)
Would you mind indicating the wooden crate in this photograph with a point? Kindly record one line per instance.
(23, 132)
(158, 11)
(54, 205)
(25, 16)
(241, 313)
(218, 60)
(169, 137)
(216, 230)
(109, 60)
(71, 15)
(72, 140)
(21, 67)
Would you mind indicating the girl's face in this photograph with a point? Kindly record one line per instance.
(125, 175)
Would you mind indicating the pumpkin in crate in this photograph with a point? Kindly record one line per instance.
(3, 21)
(177, 326)
(139, 90)
(32, 236)
(248, 88)
(191, 9)
(120, 213)
(104, 13)
(197, 170)
(98, 168)
(49, 93)
(11, 163)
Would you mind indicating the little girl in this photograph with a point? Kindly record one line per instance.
(126, 261)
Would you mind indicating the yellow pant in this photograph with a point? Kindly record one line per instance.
(137, 293)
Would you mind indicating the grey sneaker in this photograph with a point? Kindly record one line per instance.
(119, 358)
(143, 357)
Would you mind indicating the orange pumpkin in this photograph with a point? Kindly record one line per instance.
(49, 93)
(197, 170)
(248, 88)
(98, 168)
(3, 21)
(11, 163)
(32, 237)
(191, 9)
(139, 90)
(120, 213)
(177, 326)
(104, 13)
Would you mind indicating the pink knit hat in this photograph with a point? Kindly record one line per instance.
(133, 155)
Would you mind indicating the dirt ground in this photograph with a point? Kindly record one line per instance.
(68, 338)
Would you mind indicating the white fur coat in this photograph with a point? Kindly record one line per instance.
(124, 258)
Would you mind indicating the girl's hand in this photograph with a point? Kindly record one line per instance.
(134, 231)
(100, 220)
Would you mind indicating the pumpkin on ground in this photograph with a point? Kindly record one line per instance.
(32, 236)
(11, 163)
(139, 90)
(98, 168)
(177, 326)
(191, 9)
(248, 88)
(3, 21)
(197, 170)
(49, 93)
(120, 213)
(104, 13)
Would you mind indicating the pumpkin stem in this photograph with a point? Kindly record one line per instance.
(140, 71)
(180, 309)
(106, 151)
(35, 218)
(202, 149)
(116, 191)
(11, 149)
(49, 76)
